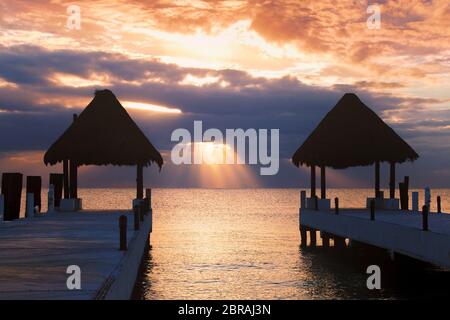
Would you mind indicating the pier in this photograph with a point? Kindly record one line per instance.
(35, 254)
(397, 231)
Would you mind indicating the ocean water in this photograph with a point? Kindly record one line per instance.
(244, 244)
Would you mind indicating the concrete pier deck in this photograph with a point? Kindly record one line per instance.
(398, 231)
(35, 254)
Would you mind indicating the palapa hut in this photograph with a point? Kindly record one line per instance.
(351, 135)
(103, 134)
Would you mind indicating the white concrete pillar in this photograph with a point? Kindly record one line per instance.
(415, 201)
(29, 208)
(51, 198)
(2, 207)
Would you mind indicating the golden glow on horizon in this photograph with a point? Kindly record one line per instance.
(214, 173)
(150, 107)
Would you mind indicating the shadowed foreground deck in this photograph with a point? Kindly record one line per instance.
(398, 231)
(35, 253)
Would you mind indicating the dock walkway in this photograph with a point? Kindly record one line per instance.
(397, 231)
(35, 254)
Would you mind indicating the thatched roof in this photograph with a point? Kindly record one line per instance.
(104, 134)
(350, 135)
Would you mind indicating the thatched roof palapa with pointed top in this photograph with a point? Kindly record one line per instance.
(104, 134)
(351, 135)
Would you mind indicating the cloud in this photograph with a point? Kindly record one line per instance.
(32, 121)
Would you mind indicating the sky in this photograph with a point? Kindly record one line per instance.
(231, 64)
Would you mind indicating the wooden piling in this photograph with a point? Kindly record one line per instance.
(325, 239)
(303, 236)
(123, 232)
(425, 218)
(66, 179)
(140, 182)
(12, 193)
(406, 189)
(73, 173)
(34, 185)
(339, 242)
(372, 210)
(438, 199)
(313, 181)
(148, 195)
(303, 199)
(313, 237)
(323, 192)
(392, 181)
(336, 205)
(57, 180)
(377, 179)
(73, 179)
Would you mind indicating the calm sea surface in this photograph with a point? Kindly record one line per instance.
(244, 244)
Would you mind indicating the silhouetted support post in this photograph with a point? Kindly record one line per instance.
(123, 232)
(377, 179)
(57, 180)
(392, 181)
(439, 210)
(136, 217)
(34, 185)
(148, 195)
(303, 199)
(372, 209)
(66, 178)
(140, 182)
(316, 203)
(339, 242)
(425, 218)
(303, 236)
(323, 192)
(73, 173)
(406, 190)
(325, 239)
(12, 193)
(336, 205)
(73, 179)
(313, 181)
(312, 234)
